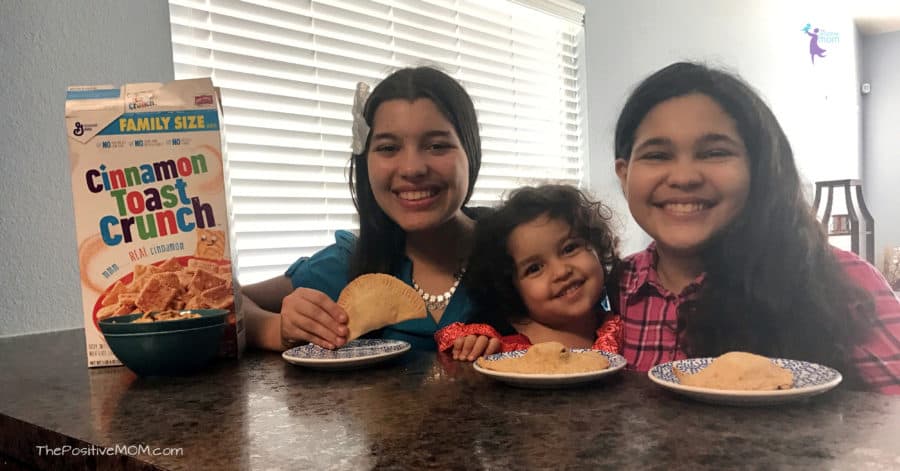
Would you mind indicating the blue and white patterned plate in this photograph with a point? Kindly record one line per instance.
(810, 379)
(616, 363)
(357, 353)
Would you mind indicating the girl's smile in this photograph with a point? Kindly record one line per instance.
(416, 195)
(414, 199)
(570, 290)
(685, 206)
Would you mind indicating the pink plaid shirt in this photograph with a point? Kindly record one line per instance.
(650, 316)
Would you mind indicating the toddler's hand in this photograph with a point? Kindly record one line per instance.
(470, 347)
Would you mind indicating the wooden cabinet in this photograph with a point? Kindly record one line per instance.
(856, 224)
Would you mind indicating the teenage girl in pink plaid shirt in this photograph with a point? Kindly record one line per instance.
(739, 261)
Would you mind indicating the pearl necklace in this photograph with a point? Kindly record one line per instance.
(440, 301)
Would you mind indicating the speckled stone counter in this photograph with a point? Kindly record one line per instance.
(419, 411)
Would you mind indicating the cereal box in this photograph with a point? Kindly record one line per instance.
(151, 205)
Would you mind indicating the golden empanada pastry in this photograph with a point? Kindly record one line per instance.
(739, 371)
(376, 300)
(548, 358)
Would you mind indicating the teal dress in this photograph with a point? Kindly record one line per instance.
(326, 271)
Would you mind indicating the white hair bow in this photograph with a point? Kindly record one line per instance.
(360, 128)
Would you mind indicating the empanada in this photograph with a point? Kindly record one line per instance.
(376, 300)
(739, 371)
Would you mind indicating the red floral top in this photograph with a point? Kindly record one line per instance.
(609, 336)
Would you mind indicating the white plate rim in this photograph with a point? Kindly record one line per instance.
(404, 347)
(557, 378)
(739, 394)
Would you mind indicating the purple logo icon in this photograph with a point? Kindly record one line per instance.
(816, 37)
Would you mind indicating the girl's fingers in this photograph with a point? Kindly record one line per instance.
(480, 344)
(291, 335)
(334, 316)
(493, 347)
(457, 347)
(467, 347)
(306, 316)
(302, 326)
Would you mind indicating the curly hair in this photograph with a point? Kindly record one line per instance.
(489, 278)
(773, 285)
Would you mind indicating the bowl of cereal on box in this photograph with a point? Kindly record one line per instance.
(179, 283)
(174, 343)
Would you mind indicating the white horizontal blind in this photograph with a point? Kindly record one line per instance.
(287, 70)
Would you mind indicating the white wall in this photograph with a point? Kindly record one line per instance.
(881, 138)
(45, 47)
(817, 105)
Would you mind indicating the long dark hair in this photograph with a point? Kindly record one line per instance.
(381, 241)
(773, 285)
(489, 278)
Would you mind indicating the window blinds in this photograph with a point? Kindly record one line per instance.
(287, 70)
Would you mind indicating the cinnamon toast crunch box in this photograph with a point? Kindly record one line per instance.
(151, 205)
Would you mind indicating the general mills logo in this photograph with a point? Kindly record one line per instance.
(817, 38)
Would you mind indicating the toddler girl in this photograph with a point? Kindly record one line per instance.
(537, 274)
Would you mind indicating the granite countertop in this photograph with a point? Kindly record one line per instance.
(420, 411)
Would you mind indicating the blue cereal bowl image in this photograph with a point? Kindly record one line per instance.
(126, 324)
(168, 353)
